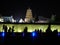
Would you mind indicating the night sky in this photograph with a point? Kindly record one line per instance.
(40, 8)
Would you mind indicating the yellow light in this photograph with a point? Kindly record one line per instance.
(20, 31)
(31, 27)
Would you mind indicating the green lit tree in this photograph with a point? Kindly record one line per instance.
(53, 18)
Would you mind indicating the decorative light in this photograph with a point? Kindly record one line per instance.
(23, 34)
(33, 34)
(3, 34)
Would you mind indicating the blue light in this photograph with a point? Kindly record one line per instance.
(23, 34)
(33, 34)
(58, 34)
(3, 34)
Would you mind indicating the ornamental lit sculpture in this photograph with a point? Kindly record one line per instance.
(28, 15)
(1, 20)
(21, 20)
(13, 20)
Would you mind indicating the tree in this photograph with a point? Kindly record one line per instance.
(36, 18)
(53, 18)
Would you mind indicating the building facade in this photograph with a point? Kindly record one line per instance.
(29, 16)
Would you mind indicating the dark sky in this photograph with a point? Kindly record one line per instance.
(18, 8)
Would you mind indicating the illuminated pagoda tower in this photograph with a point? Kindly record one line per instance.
(28, 16)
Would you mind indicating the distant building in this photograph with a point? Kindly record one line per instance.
(28, 18)
(42, 20)
(28, 15)
(7, 19)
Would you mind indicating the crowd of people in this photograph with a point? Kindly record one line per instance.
(5, 28)
(33, 38)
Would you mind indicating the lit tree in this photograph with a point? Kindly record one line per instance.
(53, 18)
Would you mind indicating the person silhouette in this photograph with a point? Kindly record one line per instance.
(5, 28)
(12, 28)
(25, 29)
(9, 30)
